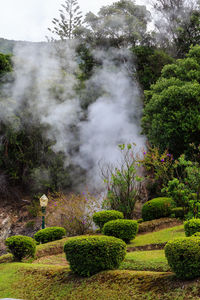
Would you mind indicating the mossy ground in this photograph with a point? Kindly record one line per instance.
(39, 281)
(142, 275)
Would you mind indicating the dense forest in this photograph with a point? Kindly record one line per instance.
(104, 94)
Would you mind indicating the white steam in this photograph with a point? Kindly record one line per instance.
(113, 118)
(45, 84)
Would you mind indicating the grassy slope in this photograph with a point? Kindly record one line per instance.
(146, 261)
(138, 260)
(49, 276)
(36, 281)
(158, 237)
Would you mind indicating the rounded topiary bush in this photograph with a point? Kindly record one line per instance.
(21, 246)
(157, 208)
(183, 257)
(49, 234)
(192, 226)
(102, 217)
(122, 229)
(89, 255)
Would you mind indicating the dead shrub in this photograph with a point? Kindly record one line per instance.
(73, 212)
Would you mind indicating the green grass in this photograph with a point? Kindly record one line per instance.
(142, 275)
(138, 260)
(158, 237)
(146, 261)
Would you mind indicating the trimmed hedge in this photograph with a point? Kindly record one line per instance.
(21, 246)
(192, 226)
(122, 229)
(157, 208)
(49, 234)
(178, 212)
(183, 257)
(89, 255)
(102, 217)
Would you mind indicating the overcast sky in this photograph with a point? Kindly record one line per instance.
(29, 19)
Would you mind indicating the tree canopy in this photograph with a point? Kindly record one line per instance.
(171, 117)
(121, 23)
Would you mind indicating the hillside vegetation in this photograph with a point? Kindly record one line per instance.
(143, 274)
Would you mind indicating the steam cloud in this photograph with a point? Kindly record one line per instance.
(114, 117)
(45, 84)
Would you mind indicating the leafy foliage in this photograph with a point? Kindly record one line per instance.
(149, 64)
(172, 111)
(188, 33)
(183, 256)
(122, 229)
(5, 64)
(159, 169)
(122, 183)
(102, 217)
(21, 246)
(157, 208)
(192, 226)
(89, 255)
(49, 234)
(119, 24)
(185, 190)
(28, 160)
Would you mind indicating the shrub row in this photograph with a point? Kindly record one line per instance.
(23, 246)
(102, 217)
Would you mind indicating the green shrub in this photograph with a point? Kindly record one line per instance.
(183, 257)
(49, 234)
(122, 229)
(102, 217)
(178, 212)
(157, 208)
(140, 221)
(89, 255)
(192, 226)
(21, 246)
(197, 234)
